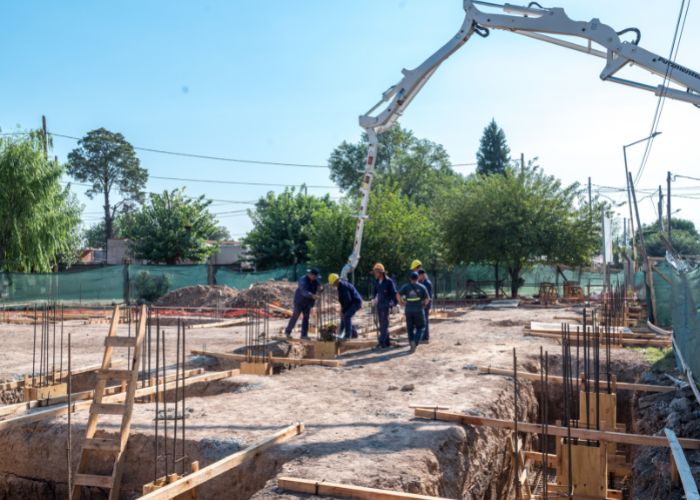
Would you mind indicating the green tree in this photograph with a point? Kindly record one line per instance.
(517, 219)
(94, 236)
(171, 228)
(280, 228)
(494, 154)
(417, 166)
(220, 233)
(108, 162)
(39, 219)
(685, 238)
(397, 230)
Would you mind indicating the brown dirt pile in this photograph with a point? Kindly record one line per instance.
(277, 292)
(199, 296)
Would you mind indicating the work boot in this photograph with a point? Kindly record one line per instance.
(413, 347)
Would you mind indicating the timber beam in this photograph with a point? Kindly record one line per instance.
(535, 377)
(554, 430)
(200, 477)
(323, 488)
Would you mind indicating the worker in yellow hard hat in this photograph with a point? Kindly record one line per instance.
(414, 297)
(350, 302)
(416, 265)
(383, 298)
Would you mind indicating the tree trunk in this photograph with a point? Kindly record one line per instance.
(514, 273)
(496, 283)
(109, 230)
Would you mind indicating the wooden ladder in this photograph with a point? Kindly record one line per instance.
(111, 446)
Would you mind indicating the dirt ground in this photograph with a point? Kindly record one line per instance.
(359, 427)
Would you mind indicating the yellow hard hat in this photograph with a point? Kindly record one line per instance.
(378, 267)
(416, 264)
(332, 278)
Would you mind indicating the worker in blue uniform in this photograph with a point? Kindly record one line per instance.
(304, 300)
(383, 298)
(350, 302)
(414, 297)
(425, 281)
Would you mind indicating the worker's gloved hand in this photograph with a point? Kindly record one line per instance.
(374, 302)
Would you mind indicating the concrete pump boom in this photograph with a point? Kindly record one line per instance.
(534, 21)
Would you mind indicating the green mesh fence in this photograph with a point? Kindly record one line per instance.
(678, 306)
(120, 283)
(102, 284)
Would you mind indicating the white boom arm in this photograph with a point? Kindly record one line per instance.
(536, 22)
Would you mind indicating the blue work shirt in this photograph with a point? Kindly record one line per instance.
(303, 297)
(414, 294)
(428, 286)
(385, 293)
(348, 295)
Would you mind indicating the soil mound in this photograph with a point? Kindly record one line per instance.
(269, 292)
(199, 296)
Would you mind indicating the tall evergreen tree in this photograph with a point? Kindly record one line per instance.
(494, 154)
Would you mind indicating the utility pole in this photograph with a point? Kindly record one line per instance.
(590, 199)
(522, 162)
(668, 205)
(44, 137)
(661, 209)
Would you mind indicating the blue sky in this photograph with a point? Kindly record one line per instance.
(285, 81)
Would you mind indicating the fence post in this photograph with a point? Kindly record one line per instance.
(126, 284)
(211, 273)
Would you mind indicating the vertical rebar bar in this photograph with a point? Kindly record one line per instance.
(69, 444)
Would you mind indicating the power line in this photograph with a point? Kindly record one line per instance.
(227, 159)
(675, 44)
(239, 183)
(207, 157)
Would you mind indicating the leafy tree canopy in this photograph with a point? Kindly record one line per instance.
(281, 228)
(171, 228)
(684, 236)
(396, 232)
(94, 236)
(39, 219)
(494, 154)
(417, 166)
(517, 219)
(107, 162)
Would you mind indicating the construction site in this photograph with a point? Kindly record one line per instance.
(569, 372)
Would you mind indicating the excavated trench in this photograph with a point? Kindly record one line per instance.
(460, 462)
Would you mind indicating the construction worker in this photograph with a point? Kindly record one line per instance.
(425, 281)
(304, 300)
(414, 297)
(383, 298)
(350, 302)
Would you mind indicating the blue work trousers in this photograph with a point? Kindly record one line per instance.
(415, 325)
(346, 322)
(383, 316)
(305, 311)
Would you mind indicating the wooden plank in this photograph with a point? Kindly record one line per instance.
(681, 463)
(323, 488)
(219, 324)
(554, 430)
(273, 359)
(111, 374)
(93, 480)
(62, 409)
(18, 384)
(224, 465)
(101, 444)
(535, 377)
